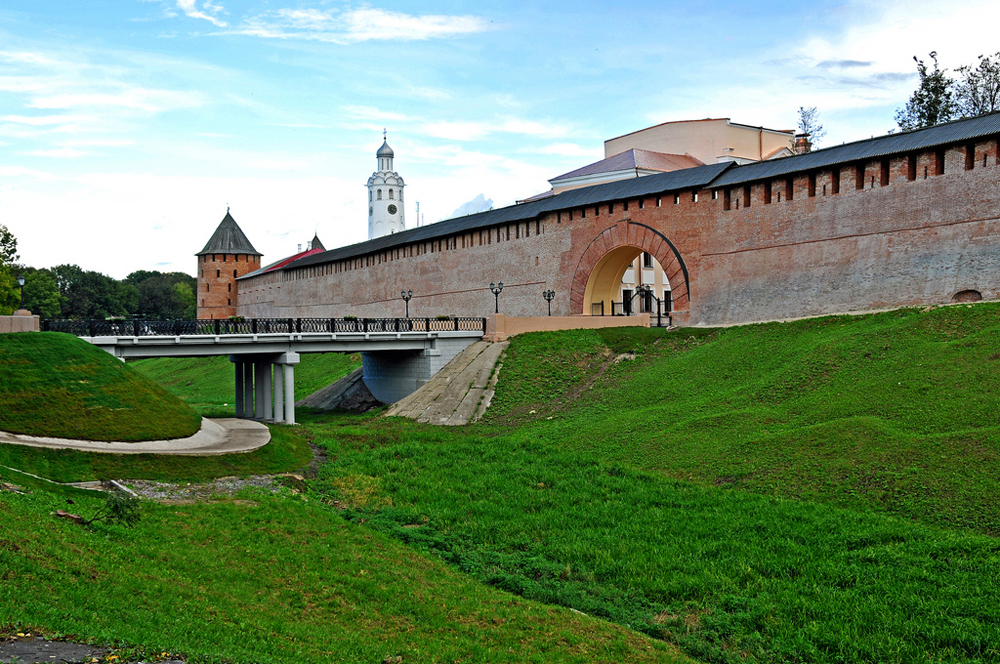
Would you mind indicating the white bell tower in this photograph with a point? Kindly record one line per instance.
(385, 196)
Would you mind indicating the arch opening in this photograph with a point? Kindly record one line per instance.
(619, 261)
(614, 282)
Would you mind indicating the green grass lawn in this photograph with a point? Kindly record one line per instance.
(273, 579)
(54, 384)
(818, 491)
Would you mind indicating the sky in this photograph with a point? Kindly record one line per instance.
(128, 127)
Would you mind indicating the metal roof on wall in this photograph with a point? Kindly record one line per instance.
(712, 175)
(687, 178)
(883, 146)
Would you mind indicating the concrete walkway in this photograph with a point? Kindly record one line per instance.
(460, 392)
(218, 436)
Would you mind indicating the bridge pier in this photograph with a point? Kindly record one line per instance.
(265, 387)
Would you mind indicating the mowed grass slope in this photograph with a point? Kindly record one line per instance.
(273, 579)
(818, 491)
(54, 384)
(898, 411)
(698, 491)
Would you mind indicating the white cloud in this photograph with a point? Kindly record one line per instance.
(57, 153)
(457, 131)
(569, 150)
(21, 171)
(207, 12)
(134, 98)
(357, 25)
(372, 113)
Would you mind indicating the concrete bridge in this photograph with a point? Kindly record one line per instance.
(398, 354)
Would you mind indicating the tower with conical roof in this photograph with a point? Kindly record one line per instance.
(385, 196)
(227, 256)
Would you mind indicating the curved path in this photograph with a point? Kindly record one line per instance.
(216, 436)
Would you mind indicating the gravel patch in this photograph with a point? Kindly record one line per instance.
(195, 491)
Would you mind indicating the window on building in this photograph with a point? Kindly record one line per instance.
(218, 273)
(390, 195)
(767, 192)
(230, 287)
(378, 194)
(677, 199)
(647, 259)
(812, 185)
(939, 162)
(234, 273)
(970, 156)
(229, 301)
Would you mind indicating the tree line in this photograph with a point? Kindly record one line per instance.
(941, 98)
(69, 291)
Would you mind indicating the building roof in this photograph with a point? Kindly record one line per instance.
(229, 239)
(633, 159)
(316, 244)
(385, 150)
(872, 148)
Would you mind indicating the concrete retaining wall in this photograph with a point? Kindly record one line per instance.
(19, 323)
(501, 328)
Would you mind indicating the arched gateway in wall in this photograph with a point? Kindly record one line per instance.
(599, 271)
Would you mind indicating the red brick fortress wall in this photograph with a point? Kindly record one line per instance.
(217, 288)
(910, 229)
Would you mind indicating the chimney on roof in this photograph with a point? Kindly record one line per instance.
(802, 144)
(298, 249)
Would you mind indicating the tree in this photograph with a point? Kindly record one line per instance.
(978, 88)
(93, 295)
(8, 246)
(809, 124)
(10, 295)
(163, 296)
(932, 102)
(41, 294)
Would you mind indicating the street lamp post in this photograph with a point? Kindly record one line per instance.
(549, 295)
(496, 289)
(20, 283)
(407, 296)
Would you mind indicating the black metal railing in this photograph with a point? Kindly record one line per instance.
(217, 326)
(660, 310)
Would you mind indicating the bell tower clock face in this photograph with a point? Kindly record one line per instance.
(392, 208)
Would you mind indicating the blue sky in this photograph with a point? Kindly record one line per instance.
(128, 126)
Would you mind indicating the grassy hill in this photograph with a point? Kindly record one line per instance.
(54, 384)
(818, 491)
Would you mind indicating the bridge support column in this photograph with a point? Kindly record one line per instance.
(238, 364)
(288, 362)
(258, 389)
(247, 389)
(279, 394)
(267, 396)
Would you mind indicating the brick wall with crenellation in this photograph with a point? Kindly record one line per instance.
(907, 236)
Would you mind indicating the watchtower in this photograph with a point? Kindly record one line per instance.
(227, 256)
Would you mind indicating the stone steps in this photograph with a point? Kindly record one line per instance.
(460, 392)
